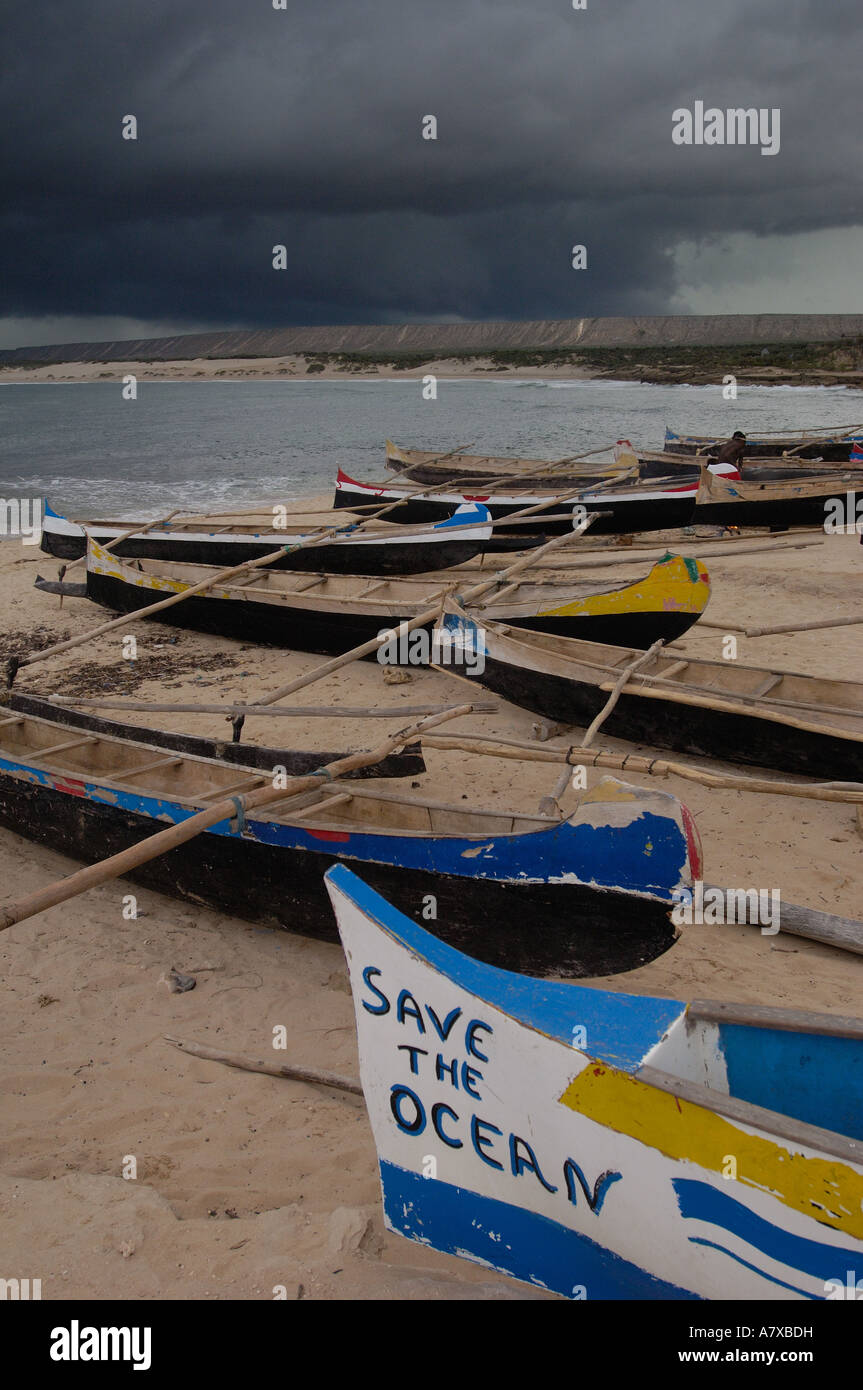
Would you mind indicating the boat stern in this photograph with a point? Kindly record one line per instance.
(634, 839)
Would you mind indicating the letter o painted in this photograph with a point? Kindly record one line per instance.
(397, 1095)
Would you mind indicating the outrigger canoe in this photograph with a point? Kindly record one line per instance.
(718, 709)
(589, 894)
(334, 613)
(834, 446)
(460, 532)
(647, 505)
(603, 1145)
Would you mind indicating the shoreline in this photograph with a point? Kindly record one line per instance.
(306, 367)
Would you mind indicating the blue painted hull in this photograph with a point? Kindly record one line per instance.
(572, 898)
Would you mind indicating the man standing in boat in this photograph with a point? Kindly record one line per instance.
(733, 449)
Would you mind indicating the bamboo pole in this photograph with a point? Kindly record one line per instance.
(228, 808)
(292, 1072)
(232, 711)
(612, 556)
(802, 627)
(617, 688)
(848, 793)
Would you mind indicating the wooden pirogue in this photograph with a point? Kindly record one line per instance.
(587, 894)
(583, 1140)
(379, 548)
(803, 501)
(332, 613)
(832, 445)
(718, 709)
(651, 504)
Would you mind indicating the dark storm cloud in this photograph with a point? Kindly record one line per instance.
(260, 126)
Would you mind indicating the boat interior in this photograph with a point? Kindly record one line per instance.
(781, 691)
(123, 765)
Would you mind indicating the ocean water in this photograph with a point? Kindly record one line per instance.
(231, 444)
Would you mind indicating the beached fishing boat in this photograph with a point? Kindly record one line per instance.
(834, 446)
(604, 1145)
(459, 533)
(806, 501)
(333, 613)
(246, 757)
(470, 472)
(717, 709)
(586, 894)
(647, 505)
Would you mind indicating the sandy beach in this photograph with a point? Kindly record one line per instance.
(306, 367)
(248, 1184)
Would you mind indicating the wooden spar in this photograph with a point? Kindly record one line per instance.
(836, 438)
(722, 627)
(292, 1072)
(847, 793)
(136, 531)
(801, 627)
(227, 808)
(427, 616)
(616, 690)
(550, 805)
(300, 712)
(616, 556)
(845, 933)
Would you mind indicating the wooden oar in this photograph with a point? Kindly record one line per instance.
(801, 627)
(820, 439)
(849, 793)
(296, 712)
(291, 1071)
(228, 808)
(617, 689)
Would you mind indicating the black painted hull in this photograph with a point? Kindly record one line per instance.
(567, 930)
(393, 558)
(625, 516)
(779, 513)
(327, 633)
(709, 733)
